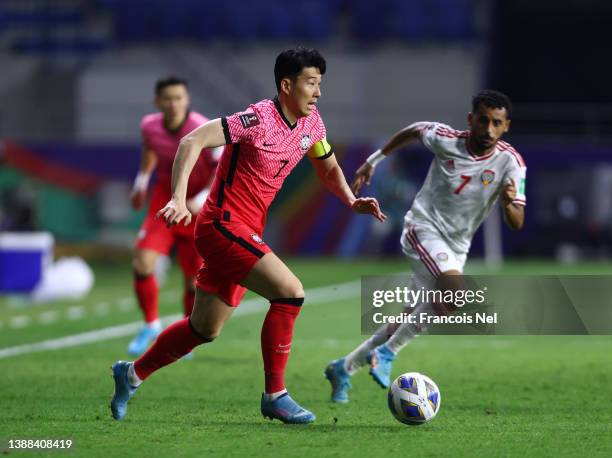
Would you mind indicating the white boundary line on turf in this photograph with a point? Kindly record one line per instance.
(348, 290)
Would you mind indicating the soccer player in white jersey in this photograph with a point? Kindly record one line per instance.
(470, 172)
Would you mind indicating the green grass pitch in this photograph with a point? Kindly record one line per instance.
(501, 395)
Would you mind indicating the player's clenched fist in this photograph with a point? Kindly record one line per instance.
(138, 198)
(363, 175)
(508, 193)
(369, 206)
(173, 213)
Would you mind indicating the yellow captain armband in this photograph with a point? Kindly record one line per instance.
(320, 150)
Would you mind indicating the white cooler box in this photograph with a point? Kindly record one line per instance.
(23, 258)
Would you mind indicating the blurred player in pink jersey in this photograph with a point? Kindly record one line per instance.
(161, 134)
(264, 143)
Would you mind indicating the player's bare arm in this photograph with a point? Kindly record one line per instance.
(514, 214)
(148, 161)
(404, 137)
(195, 203)
(208, 135)
(330, 174)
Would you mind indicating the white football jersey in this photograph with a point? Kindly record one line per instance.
(461, 188)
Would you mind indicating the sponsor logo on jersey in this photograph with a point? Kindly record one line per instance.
(257, 239)
(442, 256)
(249, 120)
(487, 177)
(305, 144)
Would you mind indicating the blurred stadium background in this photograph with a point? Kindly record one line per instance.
(77, 76)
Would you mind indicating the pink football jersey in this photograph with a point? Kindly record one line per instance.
(165, 144)
(262, 149)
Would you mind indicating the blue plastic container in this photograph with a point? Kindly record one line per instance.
(23, 257)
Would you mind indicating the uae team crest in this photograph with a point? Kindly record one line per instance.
(487, 177)
(305, 142)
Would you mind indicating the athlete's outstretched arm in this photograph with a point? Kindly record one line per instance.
(330, 174)
(514, 214)
(208, 135)
(404, 137)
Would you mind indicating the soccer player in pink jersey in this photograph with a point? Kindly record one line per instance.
(264, 143)
(161, 134)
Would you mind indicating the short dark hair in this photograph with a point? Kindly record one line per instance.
(163, 83)
(492, 99)
(289, 63)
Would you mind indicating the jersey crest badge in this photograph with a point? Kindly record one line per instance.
(249, 120)
(487, 177)
(450, 164)
(305, 144)
(257, 239)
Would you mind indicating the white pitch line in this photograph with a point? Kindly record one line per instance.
(348, 290)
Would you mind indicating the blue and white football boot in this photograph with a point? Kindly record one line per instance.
(340, 381)
(123, 390)
(381, 361)
(143, 339)
(286, 410)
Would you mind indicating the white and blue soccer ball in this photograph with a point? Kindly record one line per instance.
(414, 398)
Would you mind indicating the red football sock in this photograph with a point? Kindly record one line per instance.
(276, 335)
(147, 293)
(172, 344)
(188, 301)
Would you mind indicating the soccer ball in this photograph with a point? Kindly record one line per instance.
(414, 398)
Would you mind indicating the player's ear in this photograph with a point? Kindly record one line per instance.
(507, 128)
(470, 116)
(156, 103)
(285, 85)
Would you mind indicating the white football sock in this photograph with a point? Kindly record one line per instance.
(154, 325)
(357, 358)
(133, 379)
(274, 396)
(407, 331)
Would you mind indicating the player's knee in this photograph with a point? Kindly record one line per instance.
(203, 330)
(450, 273)
(451, 280)
(142, 266)
(294, 290)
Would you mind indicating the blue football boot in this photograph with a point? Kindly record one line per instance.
(340, 381)
(381, 360)
(286, 410)
(143, 339)
(123, 390)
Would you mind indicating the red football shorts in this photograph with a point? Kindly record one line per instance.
(230, 250)
(154, 235)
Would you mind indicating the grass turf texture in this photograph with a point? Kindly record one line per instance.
(501, 395)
